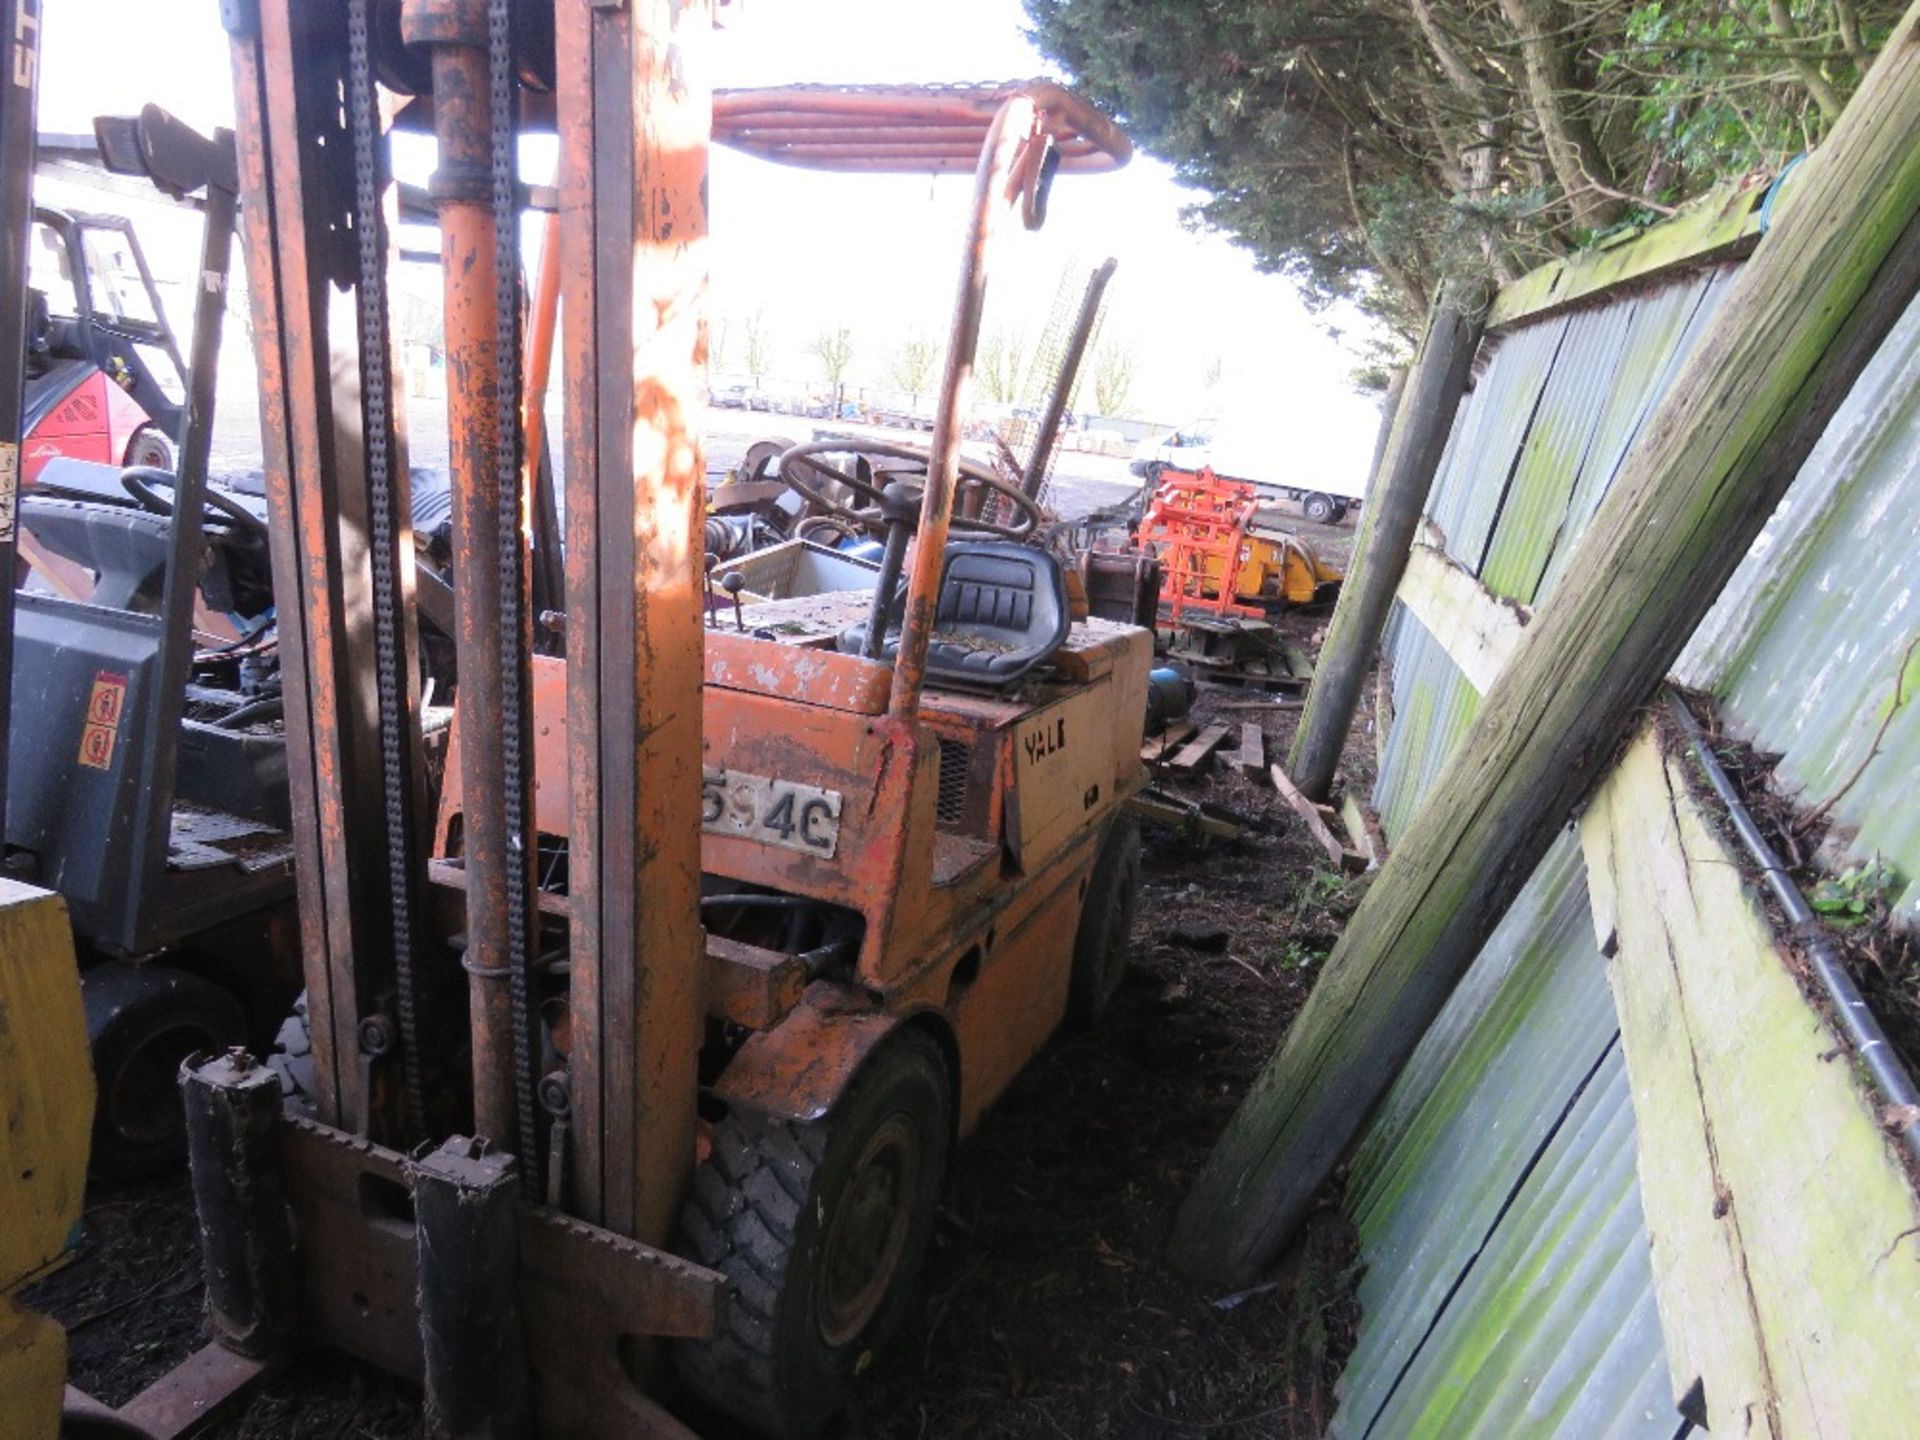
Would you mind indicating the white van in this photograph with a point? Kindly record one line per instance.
(1251, 456)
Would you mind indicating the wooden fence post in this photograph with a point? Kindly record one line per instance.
(1839, 267)
(1396, 498)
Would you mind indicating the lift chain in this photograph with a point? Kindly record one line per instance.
(514, 719)
(376, 360)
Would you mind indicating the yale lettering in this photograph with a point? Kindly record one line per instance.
(1048, 740)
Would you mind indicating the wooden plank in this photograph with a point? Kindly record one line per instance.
(1769, 371)
(1159, 747)
(1720, 225)
(1162, 809)
(1270, 702)
(1396, 498)
(1252, 755)
(1315, 817)
(208, 1384)
(1478, 629)
(1191, 756)
(1363, 829)
(1783, 1230)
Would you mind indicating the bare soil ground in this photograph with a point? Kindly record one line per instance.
(1046, 1307)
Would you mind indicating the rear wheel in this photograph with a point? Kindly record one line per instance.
(1319, 508)
(142, 1021)
(1104, 940)
(821, 1228)
(151, 448)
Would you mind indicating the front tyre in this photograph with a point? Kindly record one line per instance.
(1104, 941)
(142, 1021)
(1319, 508)
(821, 1228)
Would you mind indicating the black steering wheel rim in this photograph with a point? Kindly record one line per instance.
(806, 456)
(139, 480)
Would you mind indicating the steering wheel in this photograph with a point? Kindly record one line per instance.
(803, 459)
(139, 480)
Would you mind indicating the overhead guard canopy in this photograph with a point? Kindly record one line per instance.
(873, 129)
(905, 129)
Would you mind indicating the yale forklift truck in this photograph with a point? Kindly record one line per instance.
(640, 1034)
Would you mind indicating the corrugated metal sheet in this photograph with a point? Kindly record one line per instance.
(1553, 1331)
(1432, 707)
(1803, 647)
(1486, 437)
(1541, 437)
(1507, 1288)
(1585, 373)
(1666, 321)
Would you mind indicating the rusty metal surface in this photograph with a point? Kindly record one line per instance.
(586, 41)
(316, 523)
(550, 784)
(805, 675)
(1010, 170)
(634, 116)
(750, 986)
(582, 1287)
(906, 128)
(497, 861)
(798, 1070)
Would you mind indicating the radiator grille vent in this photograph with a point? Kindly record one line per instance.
(956, 759)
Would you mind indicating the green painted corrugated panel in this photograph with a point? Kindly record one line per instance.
(1504, 1293)
(1666, 322)
(1532, 513)
(1432, 707)
(1553, 1331)
(1488, 429)
(1805, 645)
(1549, 910)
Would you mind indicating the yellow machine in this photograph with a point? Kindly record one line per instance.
(1214, 555)
(1276, 566)
(47, 1090)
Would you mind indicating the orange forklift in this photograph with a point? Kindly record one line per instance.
(643, 1017)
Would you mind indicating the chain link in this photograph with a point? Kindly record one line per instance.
(376, 358)
(512, 578)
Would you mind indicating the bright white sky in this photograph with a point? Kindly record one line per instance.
(877, 253)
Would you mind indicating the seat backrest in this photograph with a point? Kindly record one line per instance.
(1002, 610)
(1000, 590)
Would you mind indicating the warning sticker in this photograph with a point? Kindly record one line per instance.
(9, 488)
(102, 729)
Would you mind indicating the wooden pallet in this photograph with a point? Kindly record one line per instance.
(1191, 758)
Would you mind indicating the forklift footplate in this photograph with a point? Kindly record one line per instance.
(586, 1294)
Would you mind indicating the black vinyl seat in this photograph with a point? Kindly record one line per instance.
(1002, 611)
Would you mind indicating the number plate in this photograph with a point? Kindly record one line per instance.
(774, 812)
